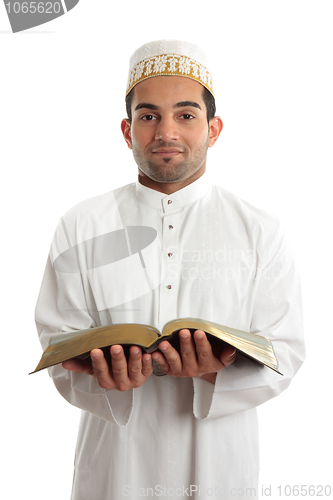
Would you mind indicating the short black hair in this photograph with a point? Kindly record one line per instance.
(209, 100)
(207, 97)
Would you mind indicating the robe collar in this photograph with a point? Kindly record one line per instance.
(176, 200)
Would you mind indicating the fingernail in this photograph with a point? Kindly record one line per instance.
(116, 351)
(233, 354)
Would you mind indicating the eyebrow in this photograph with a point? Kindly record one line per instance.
(181, 104)
(146, 105)
(187, 104)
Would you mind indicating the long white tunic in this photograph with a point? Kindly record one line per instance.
(138, 255)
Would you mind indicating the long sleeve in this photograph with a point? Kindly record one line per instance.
(276, 314)
(62, 307)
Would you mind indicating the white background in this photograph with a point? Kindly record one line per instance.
(61, 103)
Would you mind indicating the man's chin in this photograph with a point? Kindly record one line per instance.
(165, 174)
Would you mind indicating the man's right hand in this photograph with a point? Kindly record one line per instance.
(122, 374)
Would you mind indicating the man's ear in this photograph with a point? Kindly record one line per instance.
(126, 130)
(215, 128)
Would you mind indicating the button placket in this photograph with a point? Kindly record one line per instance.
(169, 287)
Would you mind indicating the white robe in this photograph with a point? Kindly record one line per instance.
(138, 255)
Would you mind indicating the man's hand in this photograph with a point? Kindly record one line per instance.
(196, 358)
(121, 375)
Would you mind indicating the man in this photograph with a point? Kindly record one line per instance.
(169, 246)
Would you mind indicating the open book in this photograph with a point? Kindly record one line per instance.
(79, 343)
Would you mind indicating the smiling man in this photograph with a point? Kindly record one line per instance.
(171, 245)
(170, 134)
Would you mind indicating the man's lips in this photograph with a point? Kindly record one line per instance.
(166, 152)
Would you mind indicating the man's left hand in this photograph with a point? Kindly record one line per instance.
(195, 359)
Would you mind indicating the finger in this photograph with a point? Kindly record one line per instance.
(161, 361)
(172, 359)
(188, 354)
(187, 347)
(101, 370)
(119, 367)
(228, 356)
(78, 366)
(205, 355)
(147, 365)
(138, 366)
(134, 364)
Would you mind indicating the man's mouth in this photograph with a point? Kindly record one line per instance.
(164, 152)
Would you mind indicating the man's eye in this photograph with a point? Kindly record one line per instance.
(148, 118)
(187, 116)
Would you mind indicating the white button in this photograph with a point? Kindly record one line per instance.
(168, 287)
(169, 202)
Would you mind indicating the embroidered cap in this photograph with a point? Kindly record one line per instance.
(169, 58)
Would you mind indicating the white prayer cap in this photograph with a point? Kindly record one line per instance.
(169, 58)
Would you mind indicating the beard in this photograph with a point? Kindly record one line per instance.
(170, 169)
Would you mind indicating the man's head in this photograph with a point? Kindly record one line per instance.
(171, 110)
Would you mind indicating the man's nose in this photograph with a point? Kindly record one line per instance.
(166, 130)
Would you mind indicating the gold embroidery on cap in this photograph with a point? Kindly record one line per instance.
(169, 64)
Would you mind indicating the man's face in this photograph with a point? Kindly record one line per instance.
(169, 133)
